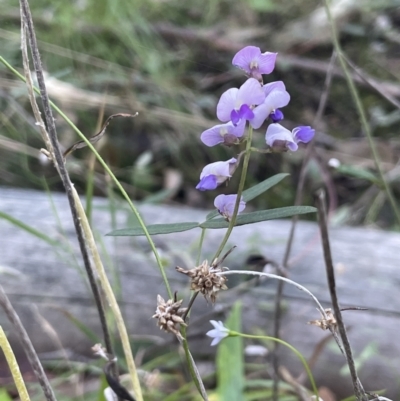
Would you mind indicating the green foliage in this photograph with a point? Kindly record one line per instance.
(230, 364)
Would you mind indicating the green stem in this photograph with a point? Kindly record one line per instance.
(278, 340)
(361, 112)
(111, 174)
(239, 193)
(203, 234)
(192, 367)
(13, 366)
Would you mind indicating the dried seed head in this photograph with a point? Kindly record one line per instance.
(169, 314)
(326, 324)
(205, 280)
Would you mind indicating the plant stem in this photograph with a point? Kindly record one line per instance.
(26, 19)
(26, 345)
(110, 298)
(239, 193)
(330, 272)
(13, 366)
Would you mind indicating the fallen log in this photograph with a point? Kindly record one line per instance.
(46, 283)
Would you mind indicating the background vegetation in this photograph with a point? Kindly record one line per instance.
(170, 61)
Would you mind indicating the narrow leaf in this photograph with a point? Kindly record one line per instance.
(154, 229)
(263, 186)
(29, 229)
(262, 215)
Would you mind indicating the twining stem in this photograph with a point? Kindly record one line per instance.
(91, 243)
(110, 173)
(247, 154)
(361, 112)
(278, 340)
(14, 368)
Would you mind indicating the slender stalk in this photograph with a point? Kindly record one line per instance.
(361, 112)
(60, 165)
(14, 368)
(276, 277)
(110, 297)
(246, 160)
(330, 272)
(203, 234)
(278, 340)
(26, 345)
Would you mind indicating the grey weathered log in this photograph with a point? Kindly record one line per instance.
(49, 281)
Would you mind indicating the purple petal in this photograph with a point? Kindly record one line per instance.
(272, 86)
(253, 62)
(222, 133)
(273, 101)
(250, 93)
(244, 58)
(276, 116)
(303, 134)
(280, 136)
(226, 104)
(226, 205)
(207, 183)
(266, 62)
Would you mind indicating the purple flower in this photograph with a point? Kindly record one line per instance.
(236, 104)
(275, 96)
(218, 333)
(226, 205)
(215, 174)
(253, 62)
(223, 133)
(281, 138)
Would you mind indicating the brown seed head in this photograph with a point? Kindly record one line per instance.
(169, 314)
(205, 280)
(328, 323)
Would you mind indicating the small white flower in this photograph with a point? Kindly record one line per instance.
(218, 333)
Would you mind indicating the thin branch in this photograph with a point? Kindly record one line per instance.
(330, 272)
(60, 165)
(298, 201)
(27, 346)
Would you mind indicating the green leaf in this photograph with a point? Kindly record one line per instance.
(230, 366)
(253, 192)
(262, 215)
(29, 229)
(262, 187)
(154, 229)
